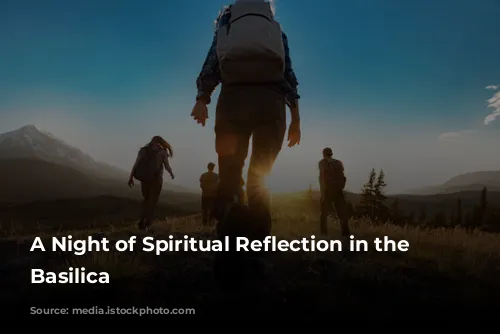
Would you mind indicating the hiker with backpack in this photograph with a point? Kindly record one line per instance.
(148, 169)
(332, 183)
(250, 57)
(208, 184)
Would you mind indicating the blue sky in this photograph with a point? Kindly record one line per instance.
(387, 84)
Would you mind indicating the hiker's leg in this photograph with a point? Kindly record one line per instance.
(211, 211)
(267, 140)
(232, 150)
(232, 135)
(342, 212)
(154, 196)
(324, 210)
(204, 210)
(145, 190)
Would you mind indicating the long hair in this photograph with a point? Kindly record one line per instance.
(163, 143)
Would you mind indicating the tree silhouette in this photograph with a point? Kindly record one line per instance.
(382, 211)
(368, 201)
(379, 187)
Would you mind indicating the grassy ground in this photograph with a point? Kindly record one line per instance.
(441, 268)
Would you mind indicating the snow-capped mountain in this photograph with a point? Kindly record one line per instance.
(33, 143)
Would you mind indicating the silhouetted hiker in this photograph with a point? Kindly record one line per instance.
(148, 168)
(250, 57)
(208, 184)
(332, 182)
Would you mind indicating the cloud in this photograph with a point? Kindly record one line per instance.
(454, 135)
(493, 103)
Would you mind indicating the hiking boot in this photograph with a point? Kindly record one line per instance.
(229, 267)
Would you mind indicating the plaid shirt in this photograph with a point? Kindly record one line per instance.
(210, 76)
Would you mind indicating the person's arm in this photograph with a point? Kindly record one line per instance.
(166, 164)
(201, 181)
(321, 178)
(209, 77)
(131, 177)
(292, 96)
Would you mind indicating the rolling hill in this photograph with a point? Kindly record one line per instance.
(35, 180)
(28, 142)
(41, 166)
(432, 203)
(474, 181)
(31, 180)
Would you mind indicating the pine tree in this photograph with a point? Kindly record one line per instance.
(483, 206)
(379, 187)
(484, 199)
(367, 203)
(382, 210)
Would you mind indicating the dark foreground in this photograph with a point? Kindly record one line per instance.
(183, 282)
(294, 282)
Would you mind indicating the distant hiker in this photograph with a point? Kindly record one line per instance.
(332, 183)
(148, 169)
(208, 184)
(250, 57)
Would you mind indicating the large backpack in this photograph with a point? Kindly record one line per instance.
(147, 168)
(250, 46)
(334, 174)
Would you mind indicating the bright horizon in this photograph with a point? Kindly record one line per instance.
(410, 88)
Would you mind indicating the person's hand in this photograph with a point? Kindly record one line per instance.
(200, 112)
(294, 133)
(131, 182)
(172, 176)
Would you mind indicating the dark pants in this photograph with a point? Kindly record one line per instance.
(151, 191)
(207, 204)
(258, 113)
(334, 198)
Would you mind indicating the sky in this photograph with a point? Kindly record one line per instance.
(411, 87)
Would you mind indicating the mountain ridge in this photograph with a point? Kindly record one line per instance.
(470, 181)
(30, 142)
